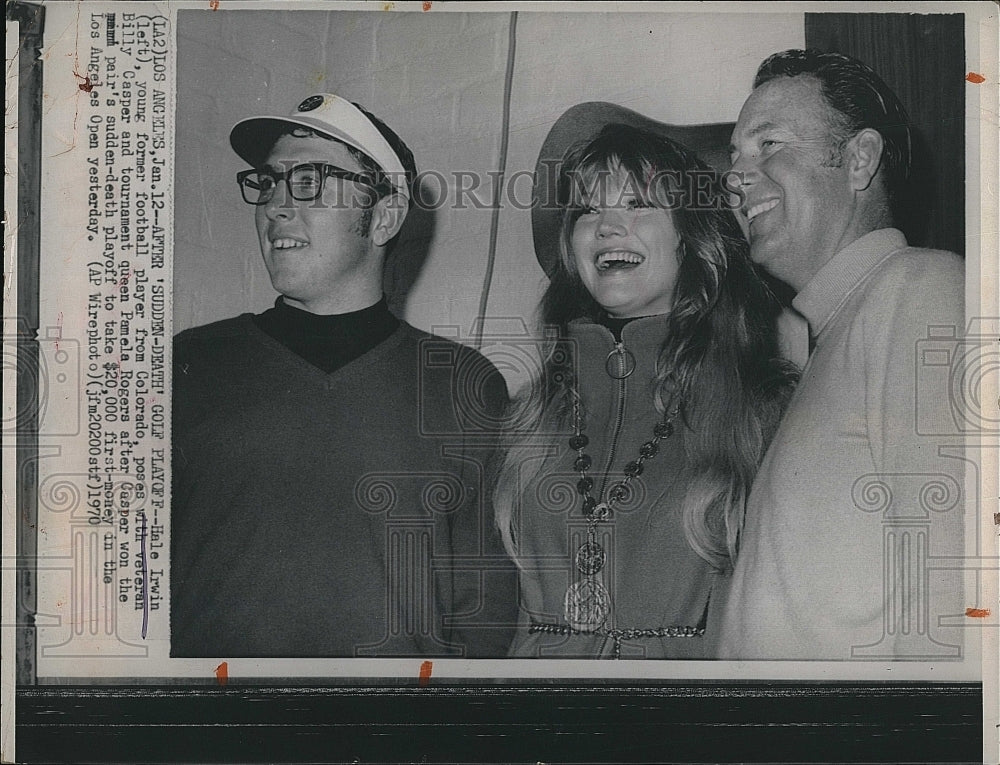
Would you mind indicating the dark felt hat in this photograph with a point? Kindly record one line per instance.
(583, 122)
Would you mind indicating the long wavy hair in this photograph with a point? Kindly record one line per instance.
(719, 357)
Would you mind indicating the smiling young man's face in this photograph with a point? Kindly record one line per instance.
(319, 254)
(626, 252)
(798, 199)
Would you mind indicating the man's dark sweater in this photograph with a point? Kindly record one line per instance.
(334, 506)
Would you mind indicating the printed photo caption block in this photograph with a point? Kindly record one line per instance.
(104, 382)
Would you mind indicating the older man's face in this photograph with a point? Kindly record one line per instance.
(799, 203)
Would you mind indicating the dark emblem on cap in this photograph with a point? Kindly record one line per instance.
(313, 102)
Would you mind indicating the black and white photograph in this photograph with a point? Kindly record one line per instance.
(529, 360)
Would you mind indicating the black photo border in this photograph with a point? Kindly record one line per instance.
(719, 722)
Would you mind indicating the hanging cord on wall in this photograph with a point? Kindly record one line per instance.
(498, 180)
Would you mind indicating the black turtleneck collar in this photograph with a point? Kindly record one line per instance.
(328, 341)
(616, 325)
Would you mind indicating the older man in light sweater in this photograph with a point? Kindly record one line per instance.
(852, 504)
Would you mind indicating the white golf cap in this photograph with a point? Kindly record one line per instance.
(329, 115)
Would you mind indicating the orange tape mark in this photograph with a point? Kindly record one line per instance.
(977, 613)
(222, 673)
(425, 672)
(213, 4)
(975, 78)
(427, 6)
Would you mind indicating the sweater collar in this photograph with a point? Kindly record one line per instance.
(643, 338)
(330, 341)
(644, 333)
(820, 299)
(295, 319)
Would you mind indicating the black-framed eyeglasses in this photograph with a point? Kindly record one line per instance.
(304, 182)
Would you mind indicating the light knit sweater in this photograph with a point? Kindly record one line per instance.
(855, 501)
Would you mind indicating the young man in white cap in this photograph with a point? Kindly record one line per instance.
(328, 457)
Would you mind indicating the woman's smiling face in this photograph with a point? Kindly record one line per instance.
(627, 252)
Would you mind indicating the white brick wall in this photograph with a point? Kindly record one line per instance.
(437, 79)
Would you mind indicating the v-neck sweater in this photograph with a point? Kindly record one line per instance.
(328, 341)
(334, 513)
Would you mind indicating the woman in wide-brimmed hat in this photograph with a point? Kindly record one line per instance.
(621, 496)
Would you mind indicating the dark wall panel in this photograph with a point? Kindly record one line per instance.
(922, 58)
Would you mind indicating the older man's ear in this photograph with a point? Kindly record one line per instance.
(864, 153)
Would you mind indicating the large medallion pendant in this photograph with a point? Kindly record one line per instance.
(587, 605)
(590, 558)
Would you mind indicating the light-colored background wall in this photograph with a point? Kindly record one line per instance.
(437, 78)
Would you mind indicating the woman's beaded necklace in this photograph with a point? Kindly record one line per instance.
(587, 604)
